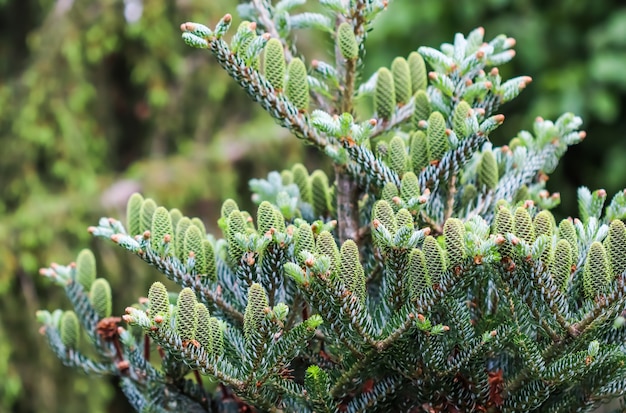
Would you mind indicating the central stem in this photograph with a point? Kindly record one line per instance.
(347, 189)
(348, 88)
(347, 206)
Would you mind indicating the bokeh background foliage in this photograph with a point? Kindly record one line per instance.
(101, 98)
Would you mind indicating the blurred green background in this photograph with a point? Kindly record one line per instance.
(101, 98)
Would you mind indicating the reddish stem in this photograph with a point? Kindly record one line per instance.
(146, 347)
(118, 348)
(196, 374)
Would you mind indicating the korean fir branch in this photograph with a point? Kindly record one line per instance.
(330, 296)
(188, 333)
(270, 348)
(529, 157)
(91, 299)
(353, 23)
(280, 20)
(454, 120)
(184, 256)
(206, 345)
(118, 351)
(63, 332)
(240, 65)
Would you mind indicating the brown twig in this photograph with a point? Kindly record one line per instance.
(146, 347)
(436, 228)
(401, 115)
(198, 378)
(450, 200)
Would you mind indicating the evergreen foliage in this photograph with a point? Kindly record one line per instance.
(297, 86)
(159, 304)
(162, 230)
(100, 297)
(422, 109)
(401, 80)
(86, 268)
(436, 138)
(417, 281)
(346, 41)
(417, 69)
(69, 329)
(274, 64)
(385, 98)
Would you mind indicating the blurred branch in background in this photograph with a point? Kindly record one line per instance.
(103, 96)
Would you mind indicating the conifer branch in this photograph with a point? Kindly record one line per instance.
(74, 358)
(605, 307)
(257, 87)
(381, 390)
(494, 307)
(184, 279)
(348, 376)
(400, 116)
(398, 332)
(451, 163)
(552, 298)
(367, 169)
(194, 357)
